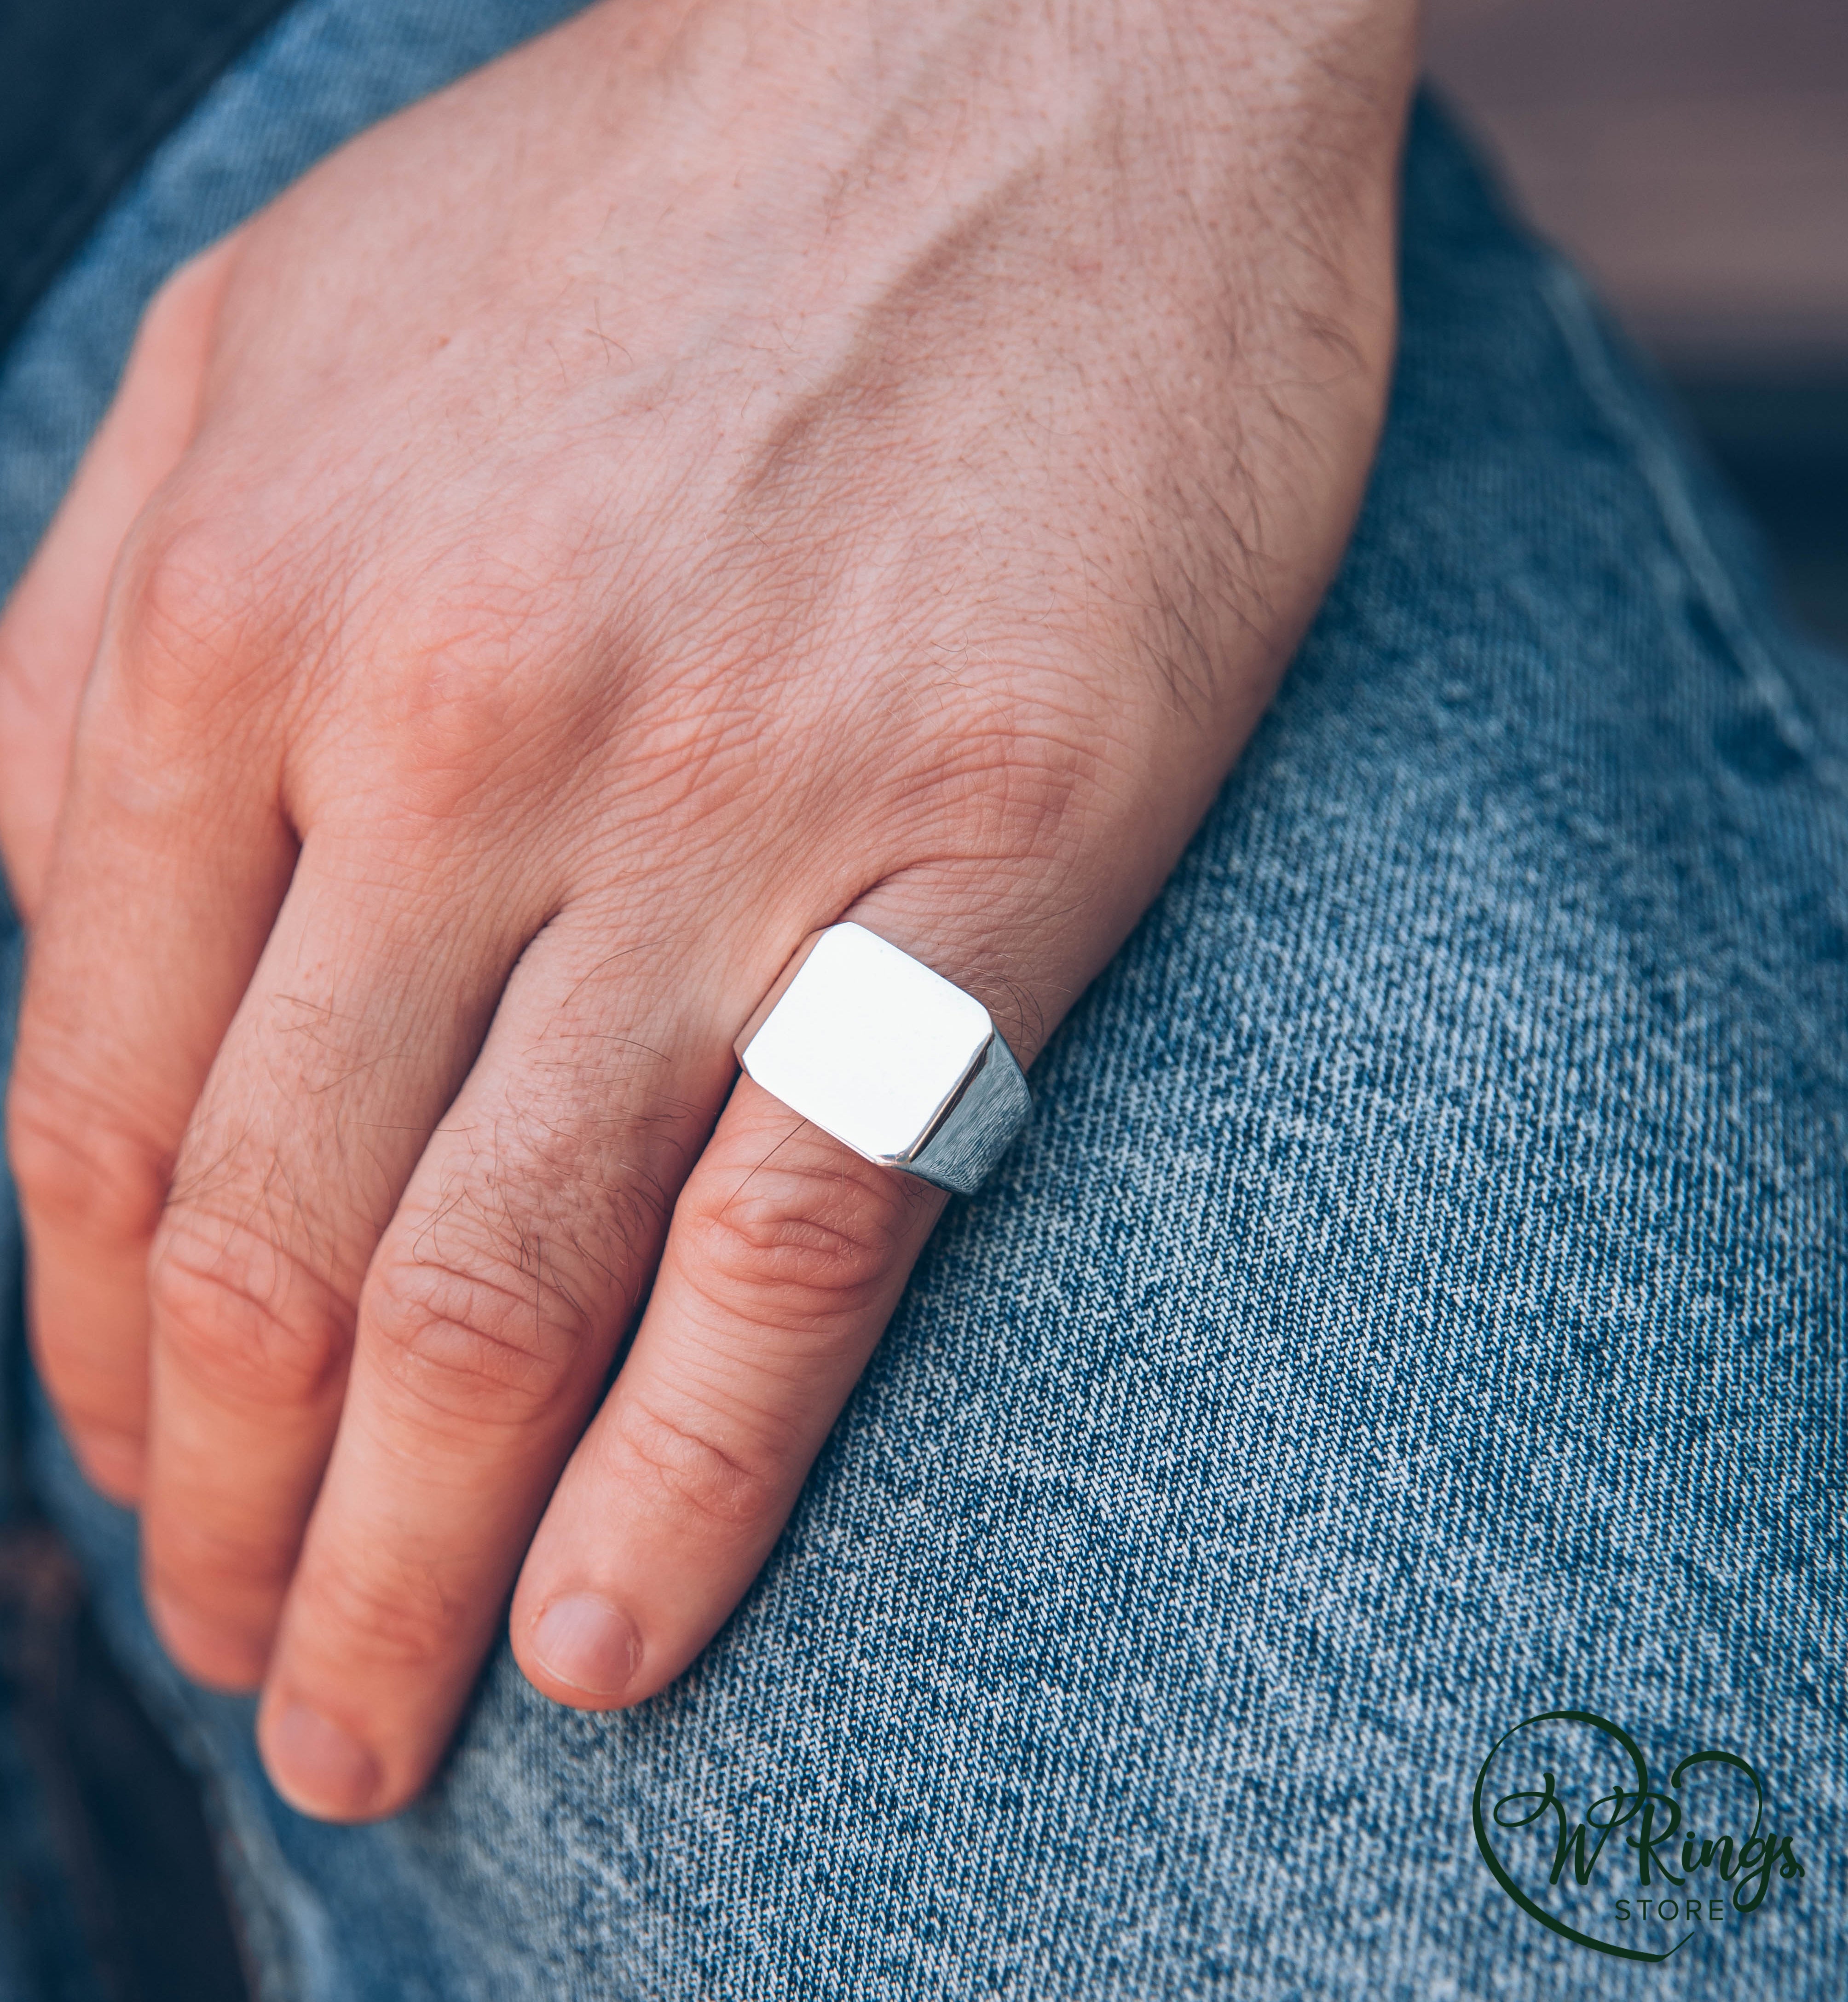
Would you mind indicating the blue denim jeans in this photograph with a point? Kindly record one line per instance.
(1418, 1304)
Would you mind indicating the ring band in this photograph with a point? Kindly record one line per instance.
(895, 1061)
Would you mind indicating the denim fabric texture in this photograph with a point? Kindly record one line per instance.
(88, 89)
(1418, 1303)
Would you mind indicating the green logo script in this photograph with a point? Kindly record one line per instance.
(1583, 1842)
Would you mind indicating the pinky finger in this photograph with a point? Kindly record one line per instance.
(786, 1258)
(53, 621)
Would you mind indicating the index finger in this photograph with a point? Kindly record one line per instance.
(54, 619)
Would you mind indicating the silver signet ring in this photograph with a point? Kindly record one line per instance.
(894, 1060)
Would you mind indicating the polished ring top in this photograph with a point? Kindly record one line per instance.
(895, 1061)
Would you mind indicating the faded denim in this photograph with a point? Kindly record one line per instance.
(1418, 1303)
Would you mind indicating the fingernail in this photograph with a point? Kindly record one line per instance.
(582, 1641)
(320, 1766)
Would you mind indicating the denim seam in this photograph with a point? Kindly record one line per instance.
(1577, 319)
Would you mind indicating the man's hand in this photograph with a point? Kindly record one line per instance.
(722, 469)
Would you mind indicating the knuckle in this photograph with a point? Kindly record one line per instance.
(215, 1592)
(210, 1564)
(453, 707)
(700, 1465)
(218, 1597)
(456, 715)
(1017, 772)
(239, 1314)
(389, 1611)
(79, 1174)
(184, 589)
(462, 1347)
(798, 1246)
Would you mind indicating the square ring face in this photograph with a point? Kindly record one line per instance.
(868, 1044)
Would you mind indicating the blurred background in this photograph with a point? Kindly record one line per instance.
(1692, 155)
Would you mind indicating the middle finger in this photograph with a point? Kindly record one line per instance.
(365, 1010)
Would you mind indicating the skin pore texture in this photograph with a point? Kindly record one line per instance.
(721, 468)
